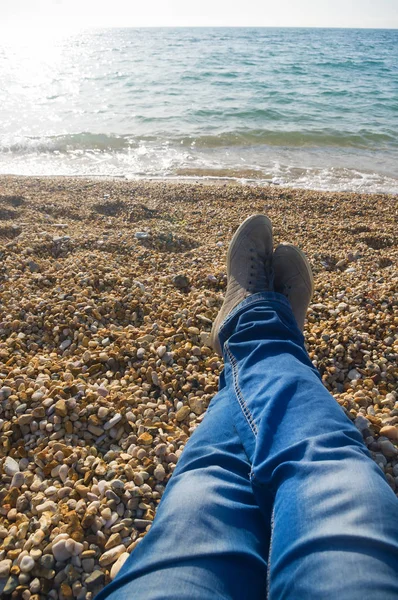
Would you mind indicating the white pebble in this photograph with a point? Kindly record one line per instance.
(118, 564)
(10, 466)
(27, 564)
(113, 421)
(60, 552)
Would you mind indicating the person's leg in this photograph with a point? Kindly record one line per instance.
(335, 518)
(209, 539)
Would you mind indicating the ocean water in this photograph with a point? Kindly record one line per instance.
(312, 108)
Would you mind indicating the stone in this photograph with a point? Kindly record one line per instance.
(10, 466)
(38, 535)
(114, 540)
(34, 585)
(113, 421)
(103, 391)
(60, 551)
(5, 392)
(155, 379)
(63, 473)
(142, 523)
(353, 375)
(5, 566)
(193, 331)
(33, 266)
(181, 281)
(182, 413)
(60, 408)
(205, 338)
(88, 565)
(196, 405)
(95, 580)
(48, 506)
(110, 556)
(24, 420)
(27, 564)
(118, 564)
(361, 423)
(390, 431)
(18, 480)
(140, 353)
(388, 448)
(145, 438)
(66, 592)
(159, 473)
(102, 412)
(65, 344)
(11, 584)
(47, 561)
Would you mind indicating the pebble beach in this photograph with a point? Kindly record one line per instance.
(108, 290)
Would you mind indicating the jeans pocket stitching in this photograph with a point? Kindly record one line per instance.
(238, 391)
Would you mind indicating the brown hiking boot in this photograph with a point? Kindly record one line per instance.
(249, 268)
(293, 279)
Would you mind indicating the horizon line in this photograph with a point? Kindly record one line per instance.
(239, 27)
(55, 26)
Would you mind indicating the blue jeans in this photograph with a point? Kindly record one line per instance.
(275, 494)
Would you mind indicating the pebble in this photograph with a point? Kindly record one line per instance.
(65, 548)
(103, 412)
(113, 421)
(33, 266)
(390, 432)
(182, 413)
(110, 556)
(48, 506)
(27, 564)
(11, 584)
(5, 566)
(181, 281)
(88, 565)
(159, 472)
(10, 466)
(95, 580)
(35, 586)
(118, 565)
(109, 369)
(65, 344)
(353, 374)
(388, 448)
(161, 351)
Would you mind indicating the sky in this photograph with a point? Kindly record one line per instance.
(15, 14)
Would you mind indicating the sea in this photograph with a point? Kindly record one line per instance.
(304, 108)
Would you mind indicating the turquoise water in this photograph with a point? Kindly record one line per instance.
(314, 108)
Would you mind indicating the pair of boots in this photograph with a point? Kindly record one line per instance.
(253, 266)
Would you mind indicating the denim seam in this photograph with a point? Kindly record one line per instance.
(270, 550)
(238, 391)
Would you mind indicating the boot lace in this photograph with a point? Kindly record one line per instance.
(261, 273)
